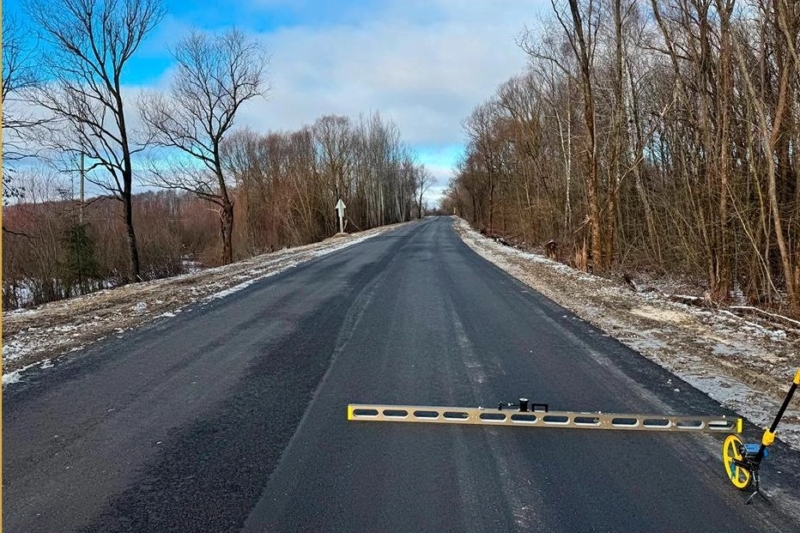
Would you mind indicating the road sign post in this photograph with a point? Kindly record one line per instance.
(340, 207)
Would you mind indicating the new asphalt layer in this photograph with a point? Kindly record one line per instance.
(232, 416)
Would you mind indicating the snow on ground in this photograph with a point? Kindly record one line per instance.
(11, 377)
(746, 364)
(331, 249)
(35, 337)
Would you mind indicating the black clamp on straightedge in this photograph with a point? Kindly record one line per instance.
(524, 406)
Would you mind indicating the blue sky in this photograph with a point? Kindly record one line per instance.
(422, 63)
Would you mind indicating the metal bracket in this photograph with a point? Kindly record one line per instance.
(542, 418)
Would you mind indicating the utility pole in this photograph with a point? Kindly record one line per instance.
(83, 175)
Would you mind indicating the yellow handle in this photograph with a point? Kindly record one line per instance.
(797, 377)
(768, 438)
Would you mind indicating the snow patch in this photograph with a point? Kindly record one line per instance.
(330, 250)
(228, 292)
(661, 315)
(11, 377)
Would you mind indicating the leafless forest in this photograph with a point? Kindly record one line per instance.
(211, 192)
(645, 136)
(650, 136)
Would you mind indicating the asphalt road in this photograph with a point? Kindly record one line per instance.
(232, 415)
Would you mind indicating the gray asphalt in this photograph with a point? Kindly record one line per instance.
(232, 415)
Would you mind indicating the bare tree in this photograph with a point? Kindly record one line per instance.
(684, 136)
(549, 85)
(19, 76)
(334, 138)
(424, 181)
(771, 128)
(90, 42)
(581, 33)
(216, 75)
(480, 127)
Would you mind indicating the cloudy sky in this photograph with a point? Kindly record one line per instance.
(422, 63)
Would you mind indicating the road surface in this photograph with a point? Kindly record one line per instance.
(232, 415)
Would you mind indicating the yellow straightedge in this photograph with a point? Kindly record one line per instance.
(541, 419)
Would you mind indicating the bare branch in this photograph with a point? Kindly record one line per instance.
(216, 75)
(89, 44)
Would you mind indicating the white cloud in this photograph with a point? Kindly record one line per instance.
(441, 175)
(423, 64)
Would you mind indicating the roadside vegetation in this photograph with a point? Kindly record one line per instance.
(649, 139)
(173, 183)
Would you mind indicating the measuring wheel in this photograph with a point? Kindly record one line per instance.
(731, 457)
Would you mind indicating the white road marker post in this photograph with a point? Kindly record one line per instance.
(340, 209)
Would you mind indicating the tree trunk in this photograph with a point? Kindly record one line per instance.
(127, 187)
(584, 60)
(491, 202)
(721, 292)
(618, 143)
(226, 228)
(134, 250)
(636, 145)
